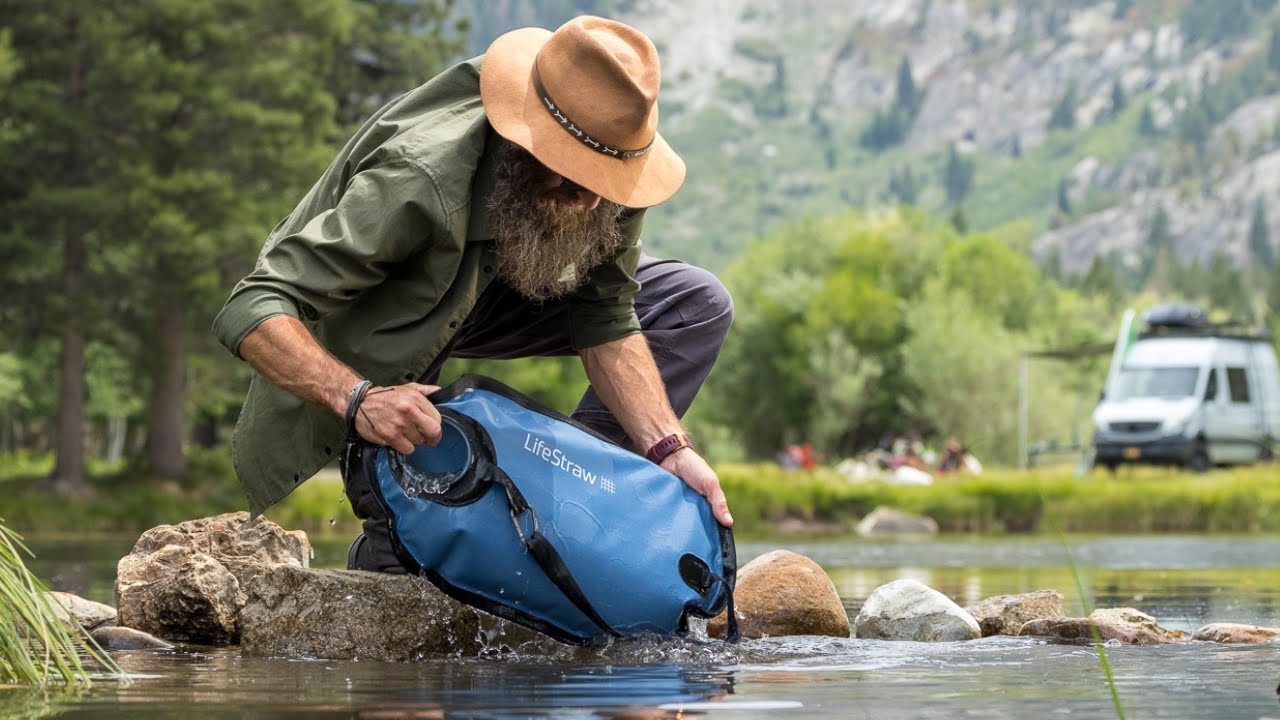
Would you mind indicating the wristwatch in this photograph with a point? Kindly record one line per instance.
(666, 446)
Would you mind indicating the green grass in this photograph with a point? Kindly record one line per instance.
(36, 647)
(1135, 500)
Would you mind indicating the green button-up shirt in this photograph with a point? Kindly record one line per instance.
(382, 260)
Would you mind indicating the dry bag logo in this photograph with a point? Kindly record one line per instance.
(555, 456)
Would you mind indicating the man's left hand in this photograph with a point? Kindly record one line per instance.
(689, 466)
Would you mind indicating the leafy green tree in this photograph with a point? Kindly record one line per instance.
(963, 362)
(1002, 283)
(1100, 280)
(816, 348)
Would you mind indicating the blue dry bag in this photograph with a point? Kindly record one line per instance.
(528, 515)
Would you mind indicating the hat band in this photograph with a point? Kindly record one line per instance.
(573, 129)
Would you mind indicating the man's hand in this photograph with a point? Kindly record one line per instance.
(689, 466)
(399, 417)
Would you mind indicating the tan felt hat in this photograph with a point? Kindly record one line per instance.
(584, 101)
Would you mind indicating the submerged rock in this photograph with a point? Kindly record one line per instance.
(784, 593)
(185, 582)
(887, 521)
(1124, 625)
(911, 610)
(1006, 614)
(1236, 633)
(351, 614)
(123, 638)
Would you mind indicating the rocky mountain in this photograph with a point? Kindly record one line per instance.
(1079, 120)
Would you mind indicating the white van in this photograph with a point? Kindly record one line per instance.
(1186, 392)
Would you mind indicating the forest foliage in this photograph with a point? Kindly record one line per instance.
(152, 144)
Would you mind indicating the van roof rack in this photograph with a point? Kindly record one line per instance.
(1187, 320)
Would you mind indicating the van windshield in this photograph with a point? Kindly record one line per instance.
(1162, 382)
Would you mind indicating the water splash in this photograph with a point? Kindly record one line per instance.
(417, 483)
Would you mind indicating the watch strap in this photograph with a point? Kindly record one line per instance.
(666, 446)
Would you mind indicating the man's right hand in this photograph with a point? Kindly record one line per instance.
(399, 417)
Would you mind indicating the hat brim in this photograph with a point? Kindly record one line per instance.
(516, 112)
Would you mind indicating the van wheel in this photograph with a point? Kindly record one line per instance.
(1199, 460)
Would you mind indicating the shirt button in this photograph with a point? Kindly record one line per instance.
(488, 269)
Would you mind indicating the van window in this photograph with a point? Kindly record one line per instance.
(1156, 382)
(1238, 383)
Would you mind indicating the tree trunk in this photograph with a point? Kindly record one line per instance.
(69, 468)
(168, 392)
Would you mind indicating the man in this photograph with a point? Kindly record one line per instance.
(493, 212)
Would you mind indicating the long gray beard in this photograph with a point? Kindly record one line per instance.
(544, 249)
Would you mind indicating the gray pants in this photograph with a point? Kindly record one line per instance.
(684, 314)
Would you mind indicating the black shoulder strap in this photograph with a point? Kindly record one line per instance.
(545, 554)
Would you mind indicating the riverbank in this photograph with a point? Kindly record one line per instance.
(765, 500)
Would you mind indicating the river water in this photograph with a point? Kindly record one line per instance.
(1184, 582)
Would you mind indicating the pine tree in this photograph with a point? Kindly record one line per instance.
(1063, 116)
(907, 96)
(1260, 238)
(957, 175)
(1118, 98)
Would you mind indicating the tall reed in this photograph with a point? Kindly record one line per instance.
(36, 646)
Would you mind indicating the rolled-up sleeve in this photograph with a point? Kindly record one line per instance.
(603, 309)
(385, 214)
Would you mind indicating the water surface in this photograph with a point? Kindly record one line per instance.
(1184, 582)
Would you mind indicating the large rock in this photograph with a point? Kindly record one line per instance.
(887, 521)
(1236, 633)
(1006, 614)
(911, 610)
(784, 593)
(349, 614)
(1124, 625)
(185, 582)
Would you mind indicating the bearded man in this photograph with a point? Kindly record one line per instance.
(493, 212)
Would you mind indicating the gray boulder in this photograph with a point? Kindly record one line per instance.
(1123, 625)
(1236, 633)
(186, 582)
(348, 614)
(911, 610)
(1006, 614)
(887, 521)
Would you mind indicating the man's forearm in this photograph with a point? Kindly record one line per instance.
(626, 378)
(283, 351)
(624, 375)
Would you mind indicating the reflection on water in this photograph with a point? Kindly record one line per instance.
(1183, 582)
